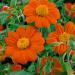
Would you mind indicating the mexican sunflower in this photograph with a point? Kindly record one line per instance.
(24, 44)
(70, 9)
(62, 34)
(41, 12)
(57, 68)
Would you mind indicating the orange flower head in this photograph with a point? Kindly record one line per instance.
(23, 45)
(56, 67)
(73, 7)
(70, 9)
(41, 12)
(62, 35)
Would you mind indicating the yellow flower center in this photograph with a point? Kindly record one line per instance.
(73, 7)
(42, 10)
(64, 37)
(23, 43)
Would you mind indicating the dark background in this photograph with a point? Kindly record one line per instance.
(72, 1)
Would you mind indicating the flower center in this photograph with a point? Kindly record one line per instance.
(64, 37)
(73, 7)
(42, 10)
(23, 43)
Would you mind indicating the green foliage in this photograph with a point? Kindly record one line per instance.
(31, 68)
(13, 3)
(3, 17)
(52, 27)
(60, 3)
(20, 73)
(48, 66)
(44, 32)
(73, 19)
(25, 1)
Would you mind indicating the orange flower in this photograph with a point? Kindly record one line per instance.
(16, 67)
(70, 9)
(41, 12)
(61, 35)
(68, 6)
(23, 45)
(56, 67)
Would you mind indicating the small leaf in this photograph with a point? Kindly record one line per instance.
(20, 73)
(52, 27)
(13, 2)
(59, 3)
(3, 17)
(48, 66)
(44, 32)
(31, 68)
(25, 1)
(73, 19)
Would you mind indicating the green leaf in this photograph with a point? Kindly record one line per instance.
(31, 68)
(72, 44)
(44, 32)
(20, 73)
(63, 73)
(3, 17)
(59, 3)
(73, 19)
(48, 66)
(2, 73)
(25, 1)
(13, 2)
(52, 27)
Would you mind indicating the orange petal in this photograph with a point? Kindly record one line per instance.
(45, 23)
(59, 29)
(20, 57)
(51, 40)
(38, 22)
(51, 19)
(30, 31)
(61, 49)
(9, 51)
(21, 31)
(37, 48)
(32, 56)
(10, 41)
(55, 12)
(35, 40)
(28, 10)
(13, 35)
(30, 19)
(52, 37)
(70, 28)
(42, 22)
